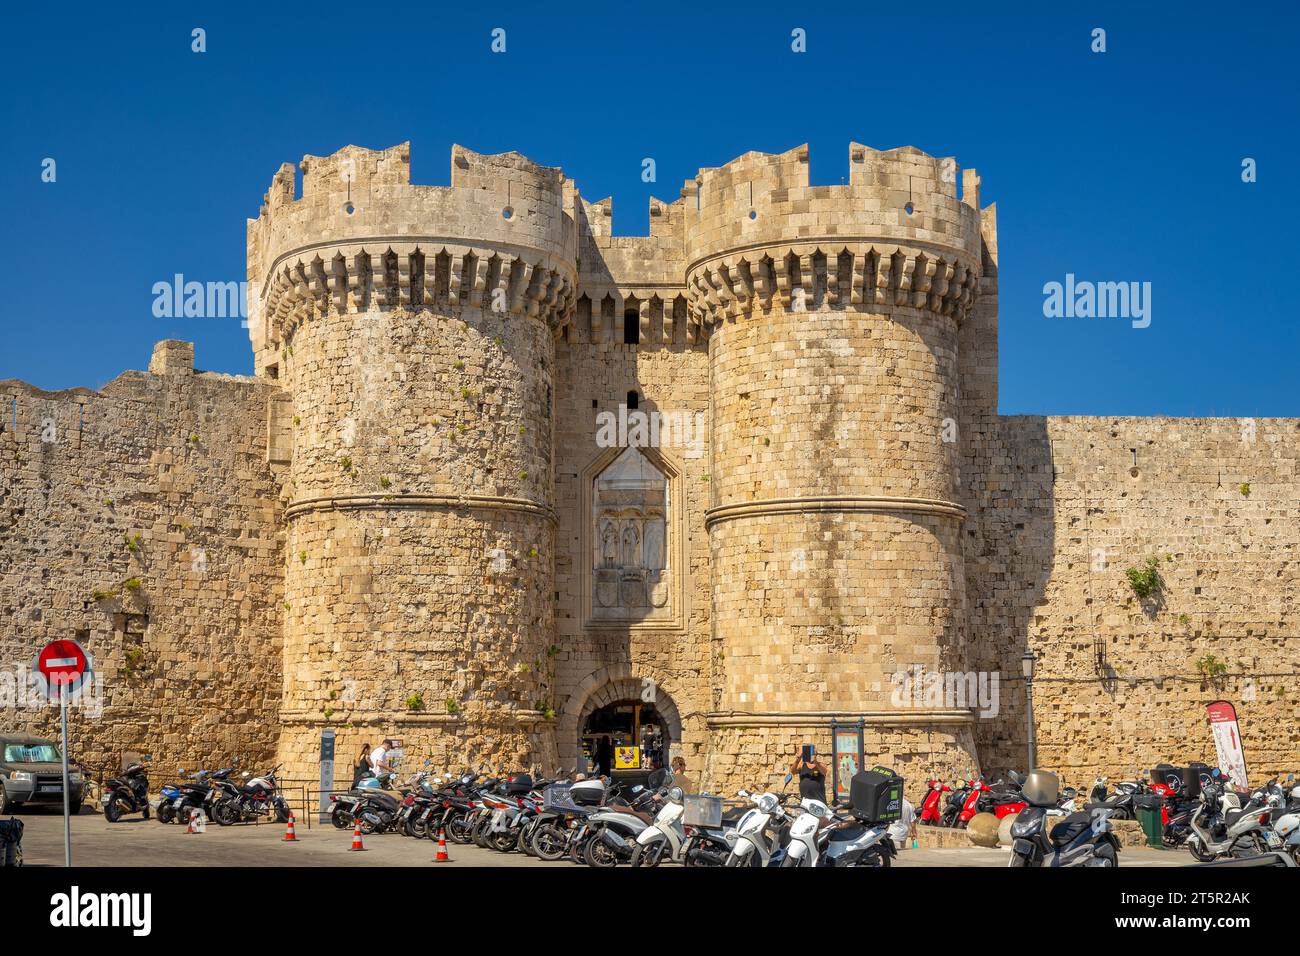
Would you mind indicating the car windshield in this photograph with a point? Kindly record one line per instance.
(31, 753)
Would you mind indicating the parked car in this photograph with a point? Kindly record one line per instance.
(31, 771)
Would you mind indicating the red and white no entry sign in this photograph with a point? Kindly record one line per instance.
(63, 663)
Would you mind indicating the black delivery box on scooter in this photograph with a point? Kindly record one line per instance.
(876, 795)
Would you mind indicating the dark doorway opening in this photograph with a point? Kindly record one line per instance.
(625, 740)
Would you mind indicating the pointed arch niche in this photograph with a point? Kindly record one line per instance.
(634, 564)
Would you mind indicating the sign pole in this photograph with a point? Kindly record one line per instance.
(67, 783)
(64, 664)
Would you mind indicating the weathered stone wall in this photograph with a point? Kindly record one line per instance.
(834, 315)
(421, 533)
(161, 479)
(1061, 513)
(672, 380)
(413, 330)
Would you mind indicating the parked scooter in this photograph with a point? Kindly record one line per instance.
(1223, 827)
(805, 848)
(762, 831)
(1286, 820)
(127, 793)
(931, 812)
(613, 829)
(370, 803)
(1120, 803)
(666, 838)
(1080, 839)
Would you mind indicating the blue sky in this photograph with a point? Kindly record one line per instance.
(1122, 166)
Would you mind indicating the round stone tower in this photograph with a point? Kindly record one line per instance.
(835, 521)
(411, 328)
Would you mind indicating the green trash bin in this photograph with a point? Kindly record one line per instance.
(1148, 814)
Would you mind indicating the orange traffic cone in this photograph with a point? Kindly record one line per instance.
(189, 824)
(442, 856)
(289, 835)
(356, 838)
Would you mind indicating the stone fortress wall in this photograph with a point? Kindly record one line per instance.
(145, 520)
(437, 541)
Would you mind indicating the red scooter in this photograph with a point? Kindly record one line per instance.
(932, 806)
(985, 799)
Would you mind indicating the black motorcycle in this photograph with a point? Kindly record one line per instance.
(258, 797)
(127, 793)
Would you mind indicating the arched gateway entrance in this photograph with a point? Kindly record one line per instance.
(624, 727)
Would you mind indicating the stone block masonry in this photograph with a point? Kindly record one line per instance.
(146, 521)
(411, 526)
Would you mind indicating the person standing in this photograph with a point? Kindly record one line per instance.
(361, 766)
(379, 762)
(812, 774)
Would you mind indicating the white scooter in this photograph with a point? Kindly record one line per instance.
(1286, 822)
(666, 837)
(758, 832)
(1246, 830)
(803, 849)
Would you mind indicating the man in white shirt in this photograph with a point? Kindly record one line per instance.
(379, 764)
(904, 827)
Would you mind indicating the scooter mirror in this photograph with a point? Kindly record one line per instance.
(742, 793)
(788, 778)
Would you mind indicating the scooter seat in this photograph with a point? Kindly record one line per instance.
(846, 832)
(732, 817)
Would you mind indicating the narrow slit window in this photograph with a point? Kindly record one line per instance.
(631, 327)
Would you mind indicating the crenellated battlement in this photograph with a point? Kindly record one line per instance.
(753, 233)
(362, 236)
(895, 234)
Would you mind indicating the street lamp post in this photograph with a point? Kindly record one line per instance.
(1027, 668)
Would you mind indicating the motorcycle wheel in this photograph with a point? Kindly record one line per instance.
(416, 827)
(366, 826)
(599, 854)
(649, 856)
(479, 833)
(224, 814)
(281, 812)
(341, 819)
(458, 830)
(876, 860)
(1018, 861)
(504, 841)
(1198, 854)
(578, 851)
(1105, 856)
(166, 813)
(113, 809)
(525, 842)
(548, 843)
